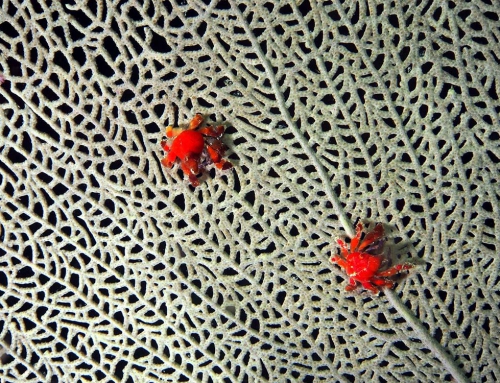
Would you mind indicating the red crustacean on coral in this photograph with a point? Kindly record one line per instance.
(192, 146)
(363, 261)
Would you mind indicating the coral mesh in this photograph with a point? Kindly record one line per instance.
(112, 269)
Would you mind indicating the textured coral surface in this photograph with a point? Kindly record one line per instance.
(113, 269)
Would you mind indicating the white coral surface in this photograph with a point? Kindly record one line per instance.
(114, 269)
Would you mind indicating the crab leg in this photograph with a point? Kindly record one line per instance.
(355, 240)
(352, 285)
(171, 132)
(165, 162)
(190, 168)
(341, 262)
(376, 247)
(195, 122)
(164, 145)
(369, 286)
(343, 248)
(216, 151)
(395, 270)
(212, 131)
(372, 236)
(383, 282)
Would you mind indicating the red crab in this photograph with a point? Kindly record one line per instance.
(188, 145)
(364, 261)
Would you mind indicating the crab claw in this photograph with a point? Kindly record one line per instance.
(376, 247)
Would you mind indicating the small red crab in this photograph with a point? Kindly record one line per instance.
(188, 145)
(364, 261)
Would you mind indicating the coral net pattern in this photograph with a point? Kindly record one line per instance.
(113, 269)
